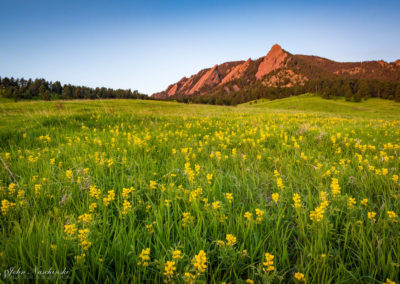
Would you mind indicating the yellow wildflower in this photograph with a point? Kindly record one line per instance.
(392, 216)
(79, 258)
(92, 207)
(297, 200)
(110, 197)
(177, 254)
(150, 229)
(318, 213)
(260, 215)
(248, 216)
(200, 262)
(6, 206)
(189, 277)
(21, 194)
(220, 243)
(169, 269)
(37, 189)
(299, 276)
(68, 174)
(126, 207)
(209, 178)
(83, 236)
(187, 219)
(279, 183)
(144, 257)
(269, 262)
(216, 205)
(94, 191)
(153, 184)
(230, 240)
(70, 230)
(127, 191)
(275, 197)
(371, 216)
(351, 202)
(364, 202)
(229, 197)
(85, 218)
(11, 188)
(335, 187)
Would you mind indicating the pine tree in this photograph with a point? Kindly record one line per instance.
(397, 94)
(348, 93)
(363, 90)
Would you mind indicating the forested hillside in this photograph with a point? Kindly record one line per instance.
(44, 90)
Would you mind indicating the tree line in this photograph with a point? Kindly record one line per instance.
(41, 89)
(351, 89)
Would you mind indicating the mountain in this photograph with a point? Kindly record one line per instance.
(278, 69)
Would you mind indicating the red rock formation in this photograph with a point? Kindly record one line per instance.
(236, 88)
(189, 82)
(274, 60)
(210, 78)
(172, 90)
(236, 72)
(382, 63)
(294, 70)
(175, 88)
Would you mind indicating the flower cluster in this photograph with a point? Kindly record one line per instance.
(296, 200)
(279, 183)
(275, 197)
(392, 216)
(94, 191)
(83, 237)
(200, 262)
(335, 187)
(6, 206)
(144, 257)
(299, 276)
(110, 197)
(187, 219)
(230, 240)
(269, 262)
(169, 269)
(260, 215)
(126, 207)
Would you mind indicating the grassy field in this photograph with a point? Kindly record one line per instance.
(371, 108)
(287, 191)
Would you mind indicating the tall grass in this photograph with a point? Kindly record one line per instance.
(182, 167)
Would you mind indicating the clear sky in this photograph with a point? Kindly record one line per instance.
(148, 44)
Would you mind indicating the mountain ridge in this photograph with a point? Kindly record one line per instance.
(278, 69)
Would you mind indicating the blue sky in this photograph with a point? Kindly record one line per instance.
(147, 45)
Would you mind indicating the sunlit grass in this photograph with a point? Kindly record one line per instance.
(112, 190)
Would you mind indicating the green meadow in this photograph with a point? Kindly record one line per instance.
(295, 190)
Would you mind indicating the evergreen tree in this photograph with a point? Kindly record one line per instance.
(363, 90)
(358, 96)
(67, 92)
(42, 90)
(397, 94)
(348, 93)
(46, 95)
(57, 88)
